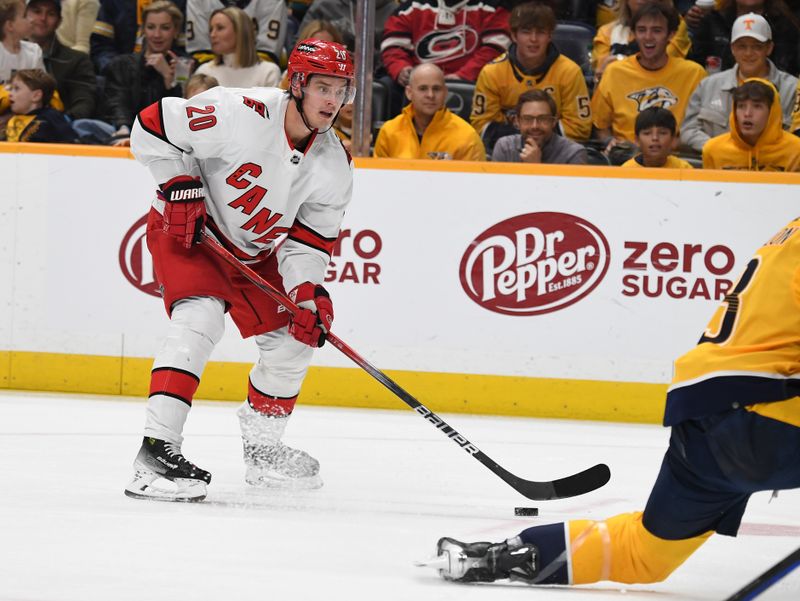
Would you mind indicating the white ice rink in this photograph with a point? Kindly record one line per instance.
(393, 486)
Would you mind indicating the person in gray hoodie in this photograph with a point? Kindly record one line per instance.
(710, 106)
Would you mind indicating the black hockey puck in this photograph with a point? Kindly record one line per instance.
(526, 511)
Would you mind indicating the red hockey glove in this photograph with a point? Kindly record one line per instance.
(313, 322)
(184, 208)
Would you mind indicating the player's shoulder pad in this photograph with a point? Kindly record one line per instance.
(263, 102)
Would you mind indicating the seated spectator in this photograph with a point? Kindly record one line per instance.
(710, 106)
(756, 141)
(426, 129)
(343, 126)
(15, 52)
(537, 116)
(269, 18)
(711, 37)
(342, 16)
(795, 126)
(117, 30)
(426, 30)
(532, 61)
(199, 83)
(649, 78)
(657, 137)
(236, 63)
(606, 12)
(317, 30)
(33, 120)
(135, 81)
(77, 22)
(72, 70)
(616, 40)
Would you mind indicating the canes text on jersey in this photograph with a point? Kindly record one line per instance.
(262, 223)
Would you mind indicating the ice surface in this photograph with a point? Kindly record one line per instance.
(393, 486)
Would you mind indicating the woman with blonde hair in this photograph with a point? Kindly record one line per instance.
(615, 39)
(236, 63)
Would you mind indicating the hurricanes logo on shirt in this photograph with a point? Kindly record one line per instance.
(658, 96)
(447, 45)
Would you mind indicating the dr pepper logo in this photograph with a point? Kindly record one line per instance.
(535, 263)
(135, 260)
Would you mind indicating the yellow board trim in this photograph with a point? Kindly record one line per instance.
(593, 171)
(352, 387)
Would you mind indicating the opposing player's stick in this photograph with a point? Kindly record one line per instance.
(571, 486)
(768, 578)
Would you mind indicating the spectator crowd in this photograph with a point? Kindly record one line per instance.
(636, 83)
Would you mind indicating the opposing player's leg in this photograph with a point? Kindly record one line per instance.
(710, 470)
(161, 471)
(272, 392)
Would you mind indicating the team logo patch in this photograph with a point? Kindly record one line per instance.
(535, 263)
(309, 48)
(657, 96)
(445, 45)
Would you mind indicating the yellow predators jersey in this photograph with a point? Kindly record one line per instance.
(627, 88)
(501, 82)
(749, 355)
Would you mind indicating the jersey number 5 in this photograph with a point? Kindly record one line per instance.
(732, 304)
(204, 121)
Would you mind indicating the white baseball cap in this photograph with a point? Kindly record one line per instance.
(751, 25)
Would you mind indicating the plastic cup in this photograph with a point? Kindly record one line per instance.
(183, 69)
(705, 4)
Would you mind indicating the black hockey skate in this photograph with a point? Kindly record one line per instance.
(485, 562)
(162, 473)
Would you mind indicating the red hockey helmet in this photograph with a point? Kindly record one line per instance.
(317, 57)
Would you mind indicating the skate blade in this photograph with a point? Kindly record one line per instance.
(152, 487)
(276, 481)
(440, 562)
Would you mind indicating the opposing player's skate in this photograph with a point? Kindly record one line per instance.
(484, 562)
(270, 463)
(162, 473)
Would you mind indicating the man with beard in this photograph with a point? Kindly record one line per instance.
(537, 142)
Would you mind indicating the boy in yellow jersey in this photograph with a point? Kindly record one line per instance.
(756, 140)
(656, 136)
(426, 129)
(734, 410)
(532, 62)
(649, 78)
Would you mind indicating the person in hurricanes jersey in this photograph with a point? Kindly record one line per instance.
(250, 168)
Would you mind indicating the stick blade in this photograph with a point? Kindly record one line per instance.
(564, 488)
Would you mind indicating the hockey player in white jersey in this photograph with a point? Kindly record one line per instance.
(252, 167)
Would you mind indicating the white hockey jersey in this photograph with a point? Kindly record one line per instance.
(258, 186)
(269, 17)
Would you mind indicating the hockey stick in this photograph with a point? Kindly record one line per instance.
(768, 578)
(571, 486)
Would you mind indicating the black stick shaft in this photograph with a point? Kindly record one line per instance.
(768, 578)
(576, 484)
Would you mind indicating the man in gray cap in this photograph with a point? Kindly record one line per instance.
(710, 106)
